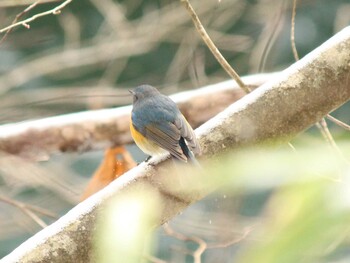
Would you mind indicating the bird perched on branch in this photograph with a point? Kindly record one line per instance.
(157, 126)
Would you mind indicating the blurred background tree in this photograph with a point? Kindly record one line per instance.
(94, 49)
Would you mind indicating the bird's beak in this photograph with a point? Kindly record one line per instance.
(132, 92)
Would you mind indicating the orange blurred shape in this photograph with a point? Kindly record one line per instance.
(116, 162)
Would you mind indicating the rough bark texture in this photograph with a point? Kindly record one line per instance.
(304, 93)
(83, 131)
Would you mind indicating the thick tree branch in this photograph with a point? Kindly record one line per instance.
(95, 129)
(299, 97)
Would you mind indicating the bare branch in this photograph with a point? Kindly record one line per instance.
(18, 16)
(272, 26)
(223, 62)
(202, 245)
(338, 122)
(323, 127)
(234, 241)
(98, 129)
(25, 22)
(28, 210)
(292, 32)
(34, 208)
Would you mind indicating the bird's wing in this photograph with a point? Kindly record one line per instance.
(188, 134)
(167, 136)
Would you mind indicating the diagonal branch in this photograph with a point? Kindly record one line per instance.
(214, 50)
(25, 22)
(338, 122)
(18, 16)
(25, 209)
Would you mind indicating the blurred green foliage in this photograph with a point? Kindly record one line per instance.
(303, 219)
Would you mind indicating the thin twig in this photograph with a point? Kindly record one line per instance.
(272, 31)
(202, 245)
(322, 125)
(28, 210)
(42, 211)
(214, 50)
(25, 22)
(292, 147)
(34, 208)
(34, 217)
(338, 122)
(246, 232)
(18, 16)
(292, 32)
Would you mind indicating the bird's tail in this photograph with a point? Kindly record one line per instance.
(187, 152)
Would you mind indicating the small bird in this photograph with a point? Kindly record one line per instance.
(157, 126)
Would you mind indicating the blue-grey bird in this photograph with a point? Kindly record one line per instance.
(157, 125)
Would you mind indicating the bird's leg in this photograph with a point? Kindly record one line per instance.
(148, 158)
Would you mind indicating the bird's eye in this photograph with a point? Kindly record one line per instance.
(135, 98)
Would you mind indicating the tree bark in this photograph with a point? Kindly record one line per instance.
(292, 102)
